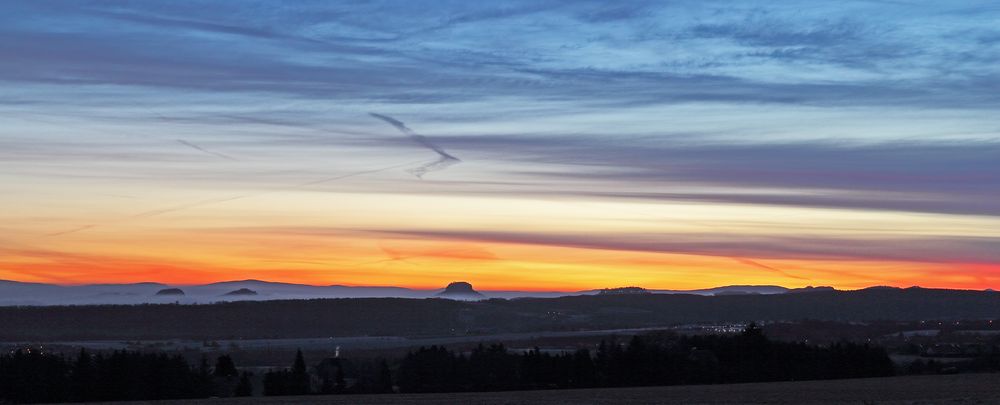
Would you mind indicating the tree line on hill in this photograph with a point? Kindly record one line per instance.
(330, 376)
(35, 376)
(662, 359)
(440, 317)
(650, 360)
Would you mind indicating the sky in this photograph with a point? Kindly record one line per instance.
(538, 145)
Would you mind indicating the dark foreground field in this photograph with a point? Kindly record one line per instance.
(952, 389)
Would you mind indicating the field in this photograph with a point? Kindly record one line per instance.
(956, 389)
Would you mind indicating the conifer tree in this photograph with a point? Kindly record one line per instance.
(224, 367)
(244, 388)
(383, 382)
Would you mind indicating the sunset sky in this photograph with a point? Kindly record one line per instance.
(525, 145)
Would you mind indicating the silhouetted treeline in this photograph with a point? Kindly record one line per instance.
(410, 317)
(659, 359)
(652, 360)
(33, 376)
(330, 376)
(295, 381)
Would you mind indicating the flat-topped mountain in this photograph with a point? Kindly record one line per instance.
(241, 291)
(623, 290)
(170, 291)
(460, 290)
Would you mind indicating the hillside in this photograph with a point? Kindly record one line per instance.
(441, 317)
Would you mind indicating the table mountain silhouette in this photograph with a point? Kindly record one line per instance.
(460, 290)
(170, 291)
(241, 291)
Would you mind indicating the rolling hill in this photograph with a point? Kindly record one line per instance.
(444, 317)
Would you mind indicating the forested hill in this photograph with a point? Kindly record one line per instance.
(424, 317)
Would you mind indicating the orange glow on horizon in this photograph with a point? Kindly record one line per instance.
(557, 246)
(420, 264)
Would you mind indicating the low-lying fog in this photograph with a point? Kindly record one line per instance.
(18, 293)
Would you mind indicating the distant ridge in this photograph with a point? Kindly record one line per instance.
(24, 283)
(141, 284)
(724, 290)
(446, 317)
(811, 289)
(32, 293)
(255, 282)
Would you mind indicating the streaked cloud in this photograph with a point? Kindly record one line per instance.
(570, 119)
(927, 249)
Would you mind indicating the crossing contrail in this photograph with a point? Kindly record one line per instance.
(74, 230)
(199, 148)
(444, 160)
(749, 262)
(213, 201)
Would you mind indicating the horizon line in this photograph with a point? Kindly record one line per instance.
(492, 290)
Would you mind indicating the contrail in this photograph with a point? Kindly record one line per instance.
(393, 257)
(344, 176)
(213, 201)
(417, 137)
(182, 207)
(74, 230)
(199, 148)
(444, 160)
(749, 262)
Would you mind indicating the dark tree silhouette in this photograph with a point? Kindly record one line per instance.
(244, 388)
(294, 381)
(83, 378)
(33, 376)
(340, 383)
(657, 359)
(383, 382)
(224, 367)
(645, 360)
(299, 375)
